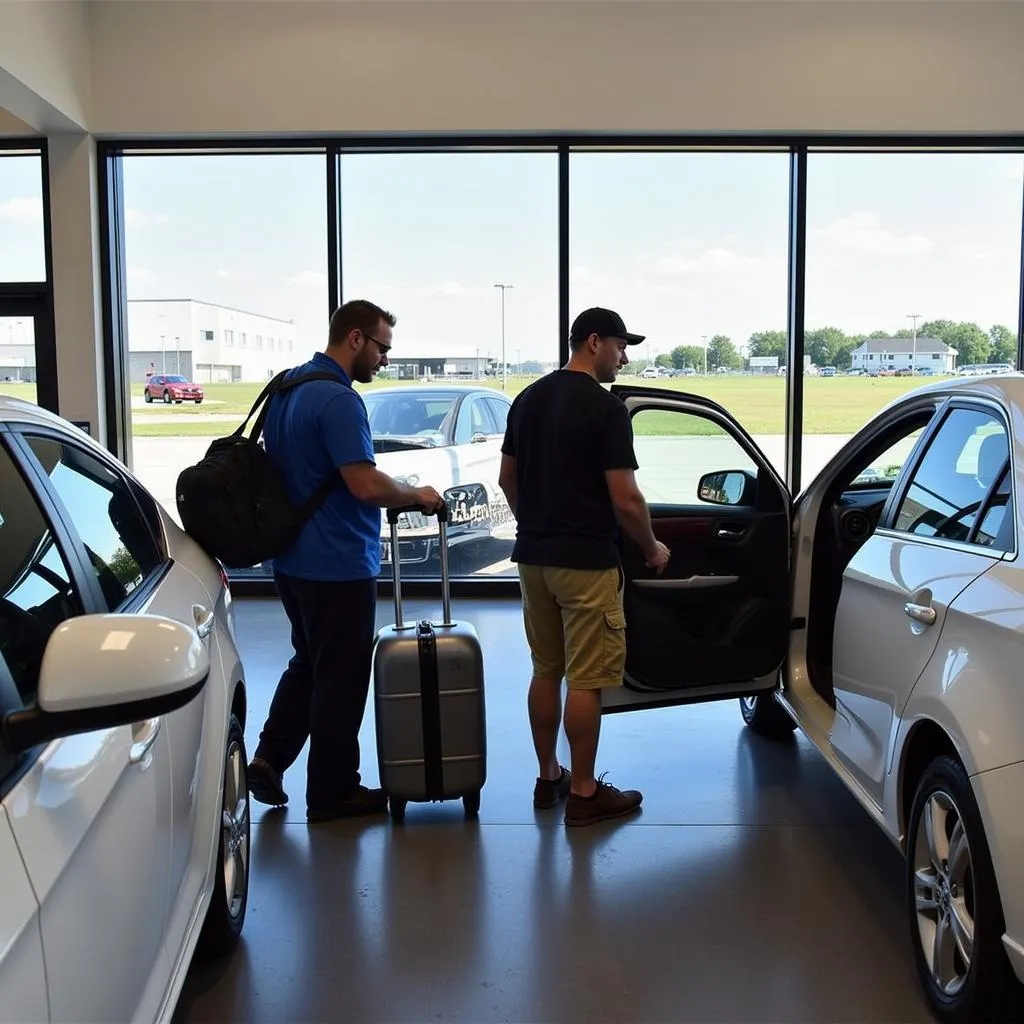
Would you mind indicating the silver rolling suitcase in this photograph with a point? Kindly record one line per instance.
(428, 687)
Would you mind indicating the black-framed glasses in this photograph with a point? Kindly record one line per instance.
(384, 349)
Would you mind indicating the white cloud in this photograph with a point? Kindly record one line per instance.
(138, 274)
(451, 289)
(711, 261)
(307, 279)
(23, 209)
(141, 219)
(864, 232)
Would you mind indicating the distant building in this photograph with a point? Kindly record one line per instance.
(466, 363)
(205, 342)
(898, 354)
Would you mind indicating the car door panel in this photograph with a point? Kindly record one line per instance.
(715, 623)
(718, 612)
(898, 586)
(22, 971)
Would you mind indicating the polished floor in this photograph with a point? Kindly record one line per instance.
(751, 887)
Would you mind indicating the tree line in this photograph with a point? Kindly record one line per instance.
(830, 346)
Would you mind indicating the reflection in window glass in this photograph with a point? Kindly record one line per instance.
(22, 247)
(18, 357)
(675, 449)
(996, 526)
(431, 237)
(962, 462)
(34, 580)
(692, 250)
(218, 249)
(115, 535)
(913, 274)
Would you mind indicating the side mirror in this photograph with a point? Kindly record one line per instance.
(101, 671)
(478, 438)
(728, 487)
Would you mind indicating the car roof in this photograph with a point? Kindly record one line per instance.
(425, 390)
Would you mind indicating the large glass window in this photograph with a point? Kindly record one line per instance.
(692, 250)
(22, 248)
(18, 357)
(913, 274)
(219, 249)
(463, 249)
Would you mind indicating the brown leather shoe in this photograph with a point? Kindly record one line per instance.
(606, 803)
(364, 801)
(547, 792)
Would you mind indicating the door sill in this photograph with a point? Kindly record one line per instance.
(623, 698)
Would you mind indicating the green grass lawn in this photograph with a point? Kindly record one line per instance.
(832, 405)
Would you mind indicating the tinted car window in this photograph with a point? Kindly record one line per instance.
(499, 413)
(996, 529)
(117, 539)
(961, 464)
(36, 592)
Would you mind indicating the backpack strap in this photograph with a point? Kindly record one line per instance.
(273, 386)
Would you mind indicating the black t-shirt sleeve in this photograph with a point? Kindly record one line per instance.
(508, 446)
(617, 441)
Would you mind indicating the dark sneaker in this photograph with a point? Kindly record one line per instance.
(364, 801)
(265, 783)
(547, 792)
(606, 803)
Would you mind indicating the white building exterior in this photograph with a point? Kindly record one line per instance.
(206, 342)
(877, 354)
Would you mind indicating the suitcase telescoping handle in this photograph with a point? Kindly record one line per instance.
(442, 526)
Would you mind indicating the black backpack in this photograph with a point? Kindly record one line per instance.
(234, 502)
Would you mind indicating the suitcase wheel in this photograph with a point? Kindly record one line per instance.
(396, 805)
(471, 803)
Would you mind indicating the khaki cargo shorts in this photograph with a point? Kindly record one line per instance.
(575, 625)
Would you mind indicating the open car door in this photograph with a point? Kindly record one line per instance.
(715, 624)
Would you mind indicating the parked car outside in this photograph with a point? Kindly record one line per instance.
(124, 808)
(880, 611)
(172, 387)
(448, 437)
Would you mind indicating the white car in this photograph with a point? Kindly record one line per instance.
(124, 809)
(447, 437)
(881, 612)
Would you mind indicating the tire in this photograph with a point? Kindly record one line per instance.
(147, 397)
(471, 804)
(199, 401)
(225, 917)
(961, 892)
(167, 398)
(765, 716)
(396, 806)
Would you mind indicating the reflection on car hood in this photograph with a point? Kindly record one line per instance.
(401, 444)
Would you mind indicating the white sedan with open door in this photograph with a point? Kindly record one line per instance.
(882, 613)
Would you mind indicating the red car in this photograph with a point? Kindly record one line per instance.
(172, 387)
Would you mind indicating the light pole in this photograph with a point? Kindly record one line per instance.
(503, 368)
(163, 354)
(913, 364)
(704, 338)
(177, 355)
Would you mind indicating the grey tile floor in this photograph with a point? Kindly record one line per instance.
(751, 887)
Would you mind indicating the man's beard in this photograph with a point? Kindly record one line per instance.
(363, 373)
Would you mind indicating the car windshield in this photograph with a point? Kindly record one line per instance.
(425, 416)
(173, 379)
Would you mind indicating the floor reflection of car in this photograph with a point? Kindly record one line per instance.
(124, 811)
(172, 387)
(447, 437)
(881, 612)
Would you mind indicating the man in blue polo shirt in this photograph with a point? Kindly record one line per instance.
(327, 579)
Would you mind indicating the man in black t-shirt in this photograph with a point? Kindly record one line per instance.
(567, 470)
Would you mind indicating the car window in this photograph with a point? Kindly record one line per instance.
(473, 419)
(884, 468)
(36, 589)
(996, 527)
(117, 538)
(409, 415)
(962, 463)
(499, 413)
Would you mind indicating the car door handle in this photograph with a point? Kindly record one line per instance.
(203, 618)
(920, 612)
(144, 734)
(731, 532)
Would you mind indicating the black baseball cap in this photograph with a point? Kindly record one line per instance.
(605, 322)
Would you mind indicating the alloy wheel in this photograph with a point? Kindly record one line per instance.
(235, 829)
(944, 893)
